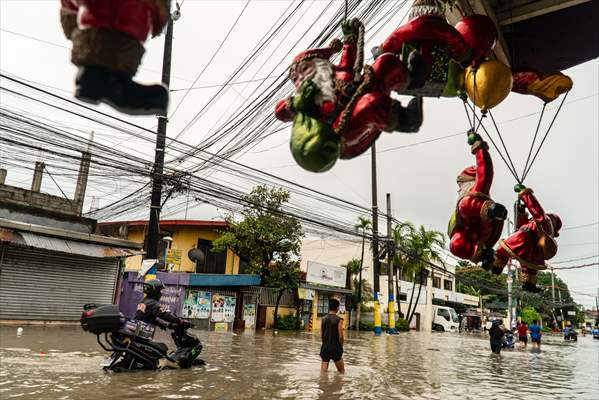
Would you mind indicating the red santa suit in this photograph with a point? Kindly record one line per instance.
(533, 242)
(370, 113)
(474, 228)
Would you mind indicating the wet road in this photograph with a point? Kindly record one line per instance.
(63, 363)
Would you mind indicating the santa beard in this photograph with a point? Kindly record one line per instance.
(464, 188)
(323, 79)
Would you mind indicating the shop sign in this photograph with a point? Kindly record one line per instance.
(329, 275)
(173, 260)
(197, 305)
(306, 294)
(229, 308)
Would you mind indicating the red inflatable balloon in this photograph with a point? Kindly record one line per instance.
(480, 33)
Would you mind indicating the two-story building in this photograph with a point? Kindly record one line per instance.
(208, 287)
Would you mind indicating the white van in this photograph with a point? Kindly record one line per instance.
(445, 319)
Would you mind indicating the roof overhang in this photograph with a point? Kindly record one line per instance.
(546, 35)
(325, 289)
(64, 241)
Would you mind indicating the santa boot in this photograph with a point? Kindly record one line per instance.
(409, 119)
(487, 259)
(497, 212)
(95, 84)
(417, 69)
(530, 287)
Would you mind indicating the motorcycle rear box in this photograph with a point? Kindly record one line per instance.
(106, 318)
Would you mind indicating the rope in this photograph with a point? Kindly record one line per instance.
(364, 86)
(534, 139)
(360, 54)
(474, 100)
(545, 137)
(507, 153)
(345, 14)
(495, 145)
(467, 114)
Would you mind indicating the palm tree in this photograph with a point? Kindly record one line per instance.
(401, 234)
(421, 247)
(363, 225)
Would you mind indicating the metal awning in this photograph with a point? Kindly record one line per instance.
(29, 239)
(325, 289)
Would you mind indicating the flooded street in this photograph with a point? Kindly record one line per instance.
(63, 363)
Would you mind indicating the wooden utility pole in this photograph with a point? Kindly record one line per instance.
(390, 255)
(375, 245)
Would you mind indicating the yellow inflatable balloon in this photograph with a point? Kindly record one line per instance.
(493, 84)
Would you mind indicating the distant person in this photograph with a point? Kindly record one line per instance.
(523, 334)
(535, 333)
(496, 336)
(332, 339)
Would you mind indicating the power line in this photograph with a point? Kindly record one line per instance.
(575, 259)
(580, 226)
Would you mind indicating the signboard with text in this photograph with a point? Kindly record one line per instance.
(329, 275)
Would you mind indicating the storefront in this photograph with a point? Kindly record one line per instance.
(213, 302)
(323, 282)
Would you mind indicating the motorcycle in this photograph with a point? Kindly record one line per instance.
(571, 335)
(508, 340)
(130, 341)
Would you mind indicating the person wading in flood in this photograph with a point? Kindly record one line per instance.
(332, 339)
(496, 336)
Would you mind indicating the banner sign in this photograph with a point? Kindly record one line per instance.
(229, 308)
(173, 260)
(249, 315)
(306, 294)
(197, 305)
(329, 275)
(218, 308)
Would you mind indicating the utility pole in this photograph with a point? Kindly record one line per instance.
(553, 293)
(157, 173)
(509, 281)
(375, 245)
(561, 309)
(390, 254)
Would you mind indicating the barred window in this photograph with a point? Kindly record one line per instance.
(323, 304)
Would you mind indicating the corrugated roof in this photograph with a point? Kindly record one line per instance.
(63, 245)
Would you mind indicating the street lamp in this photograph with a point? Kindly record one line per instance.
(167, 241)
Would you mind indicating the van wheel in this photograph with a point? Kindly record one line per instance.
(438, 328)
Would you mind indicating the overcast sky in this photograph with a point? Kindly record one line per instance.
(420, 176)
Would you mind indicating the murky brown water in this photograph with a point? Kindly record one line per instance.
(63, 363)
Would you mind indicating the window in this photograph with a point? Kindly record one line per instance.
(215, 263)
(443, 313)
(402, 296)
(447, 285)
(436, 282)
(323, 304)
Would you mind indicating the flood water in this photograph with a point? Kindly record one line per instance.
(63, 363)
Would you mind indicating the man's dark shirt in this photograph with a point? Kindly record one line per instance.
(149, 310)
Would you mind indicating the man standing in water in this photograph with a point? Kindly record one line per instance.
(332, 339)
(535, 334)
(496, 336)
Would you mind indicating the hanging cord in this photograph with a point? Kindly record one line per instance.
(545, 137)
(345, 14)
(474, 101)
(532, 145)
(507, 153)
(467, 113)
(358, 64)
(480, 124)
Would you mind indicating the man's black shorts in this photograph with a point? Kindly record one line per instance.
(327, 355)
(535, 340)
(523, 339)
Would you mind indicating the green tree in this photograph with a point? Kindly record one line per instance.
(266, 238)
(282, 275)
(404, 266)
(364, 225)
(419, 247)
(529, 315)
(366, 295)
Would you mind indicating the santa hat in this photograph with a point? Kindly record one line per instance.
(324, 52)
(467, 175)
(426, 7)
(556, 221)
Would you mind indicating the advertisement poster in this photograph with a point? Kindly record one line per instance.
(249, 315)
(218, 308)
(229, 308)
(173, 260)
(342, 305)
(197, 305)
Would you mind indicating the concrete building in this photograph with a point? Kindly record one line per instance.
(51, 261)
(212, 289)
(441, 287)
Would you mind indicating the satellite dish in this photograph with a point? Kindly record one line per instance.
(196, 255)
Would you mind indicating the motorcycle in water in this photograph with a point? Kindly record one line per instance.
(571, 335)
(508, 340)
(130, 341)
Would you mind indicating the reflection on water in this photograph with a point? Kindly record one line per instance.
(63, 363)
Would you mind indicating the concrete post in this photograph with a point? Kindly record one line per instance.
(38, 173)
(428, 314)
(2, 176)
(81, 182)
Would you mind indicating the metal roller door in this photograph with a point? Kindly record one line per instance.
(44, 285)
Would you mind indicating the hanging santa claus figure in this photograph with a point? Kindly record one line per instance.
(107, 37)
(477, 222)
(533, 242)
(337, 111)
